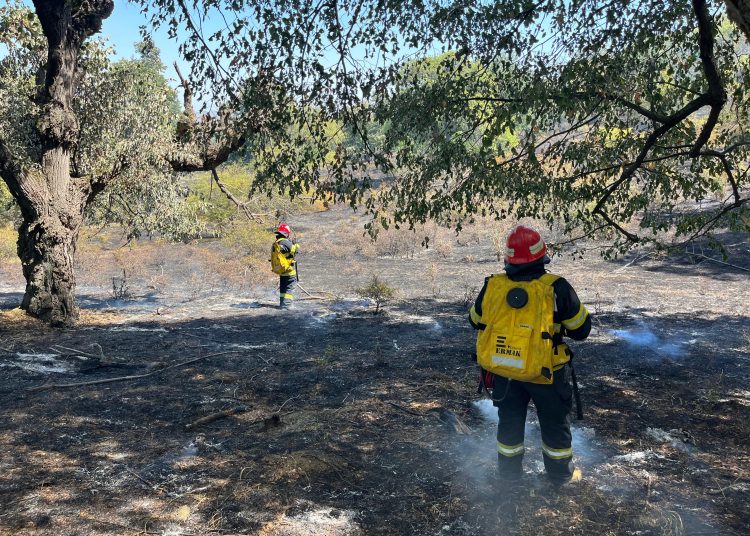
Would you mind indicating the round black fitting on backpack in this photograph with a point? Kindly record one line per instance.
(517, 298)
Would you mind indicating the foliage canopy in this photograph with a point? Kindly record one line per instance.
(126, 115)
(623, 119)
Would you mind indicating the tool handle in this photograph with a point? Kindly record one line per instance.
(576, 393)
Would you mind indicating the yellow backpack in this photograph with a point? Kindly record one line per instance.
(516, 341)
(280, 263)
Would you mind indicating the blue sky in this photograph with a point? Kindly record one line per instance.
(121, 30)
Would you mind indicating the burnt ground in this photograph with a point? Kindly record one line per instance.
(346, 423)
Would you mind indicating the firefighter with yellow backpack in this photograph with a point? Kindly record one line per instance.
(521, 317)
(284, 264)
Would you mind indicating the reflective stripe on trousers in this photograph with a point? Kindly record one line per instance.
(286, 289)
(557, 454)
(510, 450)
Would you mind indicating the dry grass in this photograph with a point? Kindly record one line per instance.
(252, 239)
(159, 266)
(8, 239)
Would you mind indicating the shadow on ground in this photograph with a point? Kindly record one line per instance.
(337, 421)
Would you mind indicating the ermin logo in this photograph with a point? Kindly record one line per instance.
(502, 348)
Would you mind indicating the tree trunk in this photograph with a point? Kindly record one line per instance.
(52, 201)
(52, 216)
(46, 248)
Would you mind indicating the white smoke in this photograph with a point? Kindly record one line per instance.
(643, 337)
(485, 408)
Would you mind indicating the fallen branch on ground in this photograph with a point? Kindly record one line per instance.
(215, 417)
(59, 348)
(717, 261)
(407, 410)
(312, 296)
(449, 418)
(139, 477)
(49, 386)
(636, 259)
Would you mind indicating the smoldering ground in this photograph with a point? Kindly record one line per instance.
(363, 443)
(642, 337)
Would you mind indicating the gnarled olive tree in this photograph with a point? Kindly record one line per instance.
(40, 175)
(75, 125)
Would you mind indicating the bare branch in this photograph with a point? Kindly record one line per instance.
(187, 101)
(240, 205)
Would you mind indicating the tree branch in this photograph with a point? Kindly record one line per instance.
(188, 119)
(630, 236)
(198, 35)
(240, 205)
(739, 13)
(673, 120)
(576, 238)
(207, 143)
(708, 225)
(10, 171)
(717, 95)
(728, 170)
(649, 114)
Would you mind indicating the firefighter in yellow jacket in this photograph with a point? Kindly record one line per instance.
(522, 317)
(284, 264)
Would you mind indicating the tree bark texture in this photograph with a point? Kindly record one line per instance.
(51, 200)
(46, 246)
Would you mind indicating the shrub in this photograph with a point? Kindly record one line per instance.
(378, 291)
(249, 238)
(8, 238)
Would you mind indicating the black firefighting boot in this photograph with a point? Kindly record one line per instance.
(509, 468)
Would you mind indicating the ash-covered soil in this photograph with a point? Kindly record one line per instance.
(339, 422)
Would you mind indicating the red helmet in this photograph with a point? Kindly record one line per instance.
(284, 229)
(524, 245)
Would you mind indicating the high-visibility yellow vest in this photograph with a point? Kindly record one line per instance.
(516, 339)
(282, 263)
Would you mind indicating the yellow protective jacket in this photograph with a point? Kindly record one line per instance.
(282, 257)
(570, 317)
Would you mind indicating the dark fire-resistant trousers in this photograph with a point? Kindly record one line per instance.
(553, 403)
(286, 290)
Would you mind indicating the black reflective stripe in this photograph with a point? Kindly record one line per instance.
(481, 325)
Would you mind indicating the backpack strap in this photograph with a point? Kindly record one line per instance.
(549, 279)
